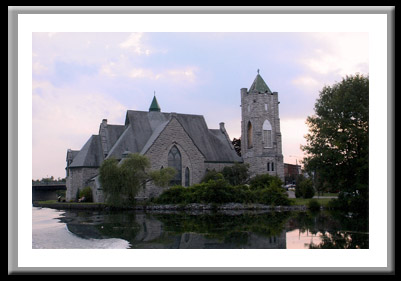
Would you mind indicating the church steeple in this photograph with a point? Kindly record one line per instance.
(259, 85)
(261, 145)
(154, 105)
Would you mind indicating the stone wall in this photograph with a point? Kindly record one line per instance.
(174, 134)
(78, 178)
(256, 108)
(218, 167)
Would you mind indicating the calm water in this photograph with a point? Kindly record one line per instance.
(56, 229)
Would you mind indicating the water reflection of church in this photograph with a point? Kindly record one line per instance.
(143, 231)
(152, 230)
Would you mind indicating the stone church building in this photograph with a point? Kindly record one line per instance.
(183, 141)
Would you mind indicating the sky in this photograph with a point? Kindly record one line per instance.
(80, 78)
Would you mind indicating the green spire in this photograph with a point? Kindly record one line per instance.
(259, 85)
(154, 105)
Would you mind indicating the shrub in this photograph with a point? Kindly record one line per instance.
(173, 195)
(313, 205)
(263, 181)
(272, 195)
(236, 174)
(220, 191)
(212, 175)
(243, 194)
(87, 193)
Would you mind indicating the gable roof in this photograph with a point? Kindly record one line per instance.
(212, 143)
(113, 132)
(142, 128)
(90, 155)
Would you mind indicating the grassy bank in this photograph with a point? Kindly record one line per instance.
(54, 204)
(297, 203)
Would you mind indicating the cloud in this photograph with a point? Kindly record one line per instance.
(338, 53)
(135, 44)
(38, 68)
(65, 118)
(125, 68)
(306, 81)
(184, 73)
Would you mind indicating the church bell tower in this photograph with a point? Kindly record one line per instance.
(260, 130)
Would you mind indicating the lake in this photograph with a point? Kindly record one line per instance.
(83, 229)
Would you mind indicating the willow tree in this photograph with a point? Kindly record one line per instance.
(122, 181)
(338, 140)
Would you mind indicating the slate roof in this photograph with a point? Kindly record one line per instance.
(71, 154)
(113, 132)
(90, 155)
(142, 128)
(259, 85)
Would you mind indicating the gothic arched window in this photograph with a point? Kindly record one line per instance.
(186, 176)
(174, 161)
(250, 135)
(267, 134)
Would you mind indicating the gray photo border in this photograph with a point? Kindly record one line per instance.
(14, 11)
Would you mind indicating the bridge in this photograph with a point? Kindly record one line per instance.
(42, 191)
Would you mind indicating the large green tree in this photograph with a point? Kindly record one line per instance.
(122, 181)
(338, 140)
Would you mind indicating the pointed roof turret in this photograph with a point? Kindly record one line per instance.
(154, 105)
(259, 85)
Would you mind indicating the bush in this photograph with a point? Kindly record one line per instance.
(313, 205)
(244, 194)
(263, 181)
(173, 195)
(274, 194)
(236, 174)
(220, 191)
(212, 175)
(87, 193)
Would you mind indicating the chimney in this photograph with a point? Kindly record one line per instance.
(222, 128)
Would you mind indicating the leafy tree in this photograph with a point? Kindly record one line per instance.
(338, 140)
(236, 174)
(122, 181)
(237, 145)
(304, 187)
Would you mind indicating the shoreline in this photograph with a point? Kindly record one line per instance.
(171, 207)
